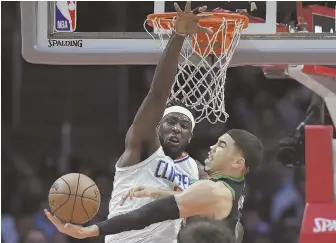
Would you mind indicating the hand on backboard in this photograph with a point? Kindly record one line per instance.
(187, 20)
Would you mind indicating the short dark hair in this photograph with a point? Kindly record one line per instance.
(250, 146)
(178, 102)
(205, 231)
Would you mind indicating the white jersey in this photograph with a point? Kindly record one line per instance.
(159, 171)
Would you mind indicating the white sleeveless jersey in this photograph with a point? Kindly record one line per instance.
(158, 171)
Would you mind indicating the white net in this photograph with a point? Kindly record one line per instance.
(200, 80)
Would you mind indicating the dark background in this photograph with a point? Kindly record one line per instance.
(61, 119)
(106, 16)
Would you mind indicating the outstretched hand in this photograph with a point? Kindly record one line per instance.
(75, 231)
(187, 20)
(140, 192)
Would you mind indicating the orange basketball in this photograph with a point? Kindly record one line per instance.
(74, 198)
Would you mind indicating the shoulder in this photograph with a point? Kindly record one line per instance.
(236, 186)
(224, 190)
(218, 188)
(195, 200)
(158, 155)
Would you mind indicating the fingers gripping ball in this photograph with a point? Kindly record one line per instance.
(74, 198)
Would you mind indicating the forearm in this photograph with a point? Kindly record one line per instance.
(166, 69)
(164, 193)
(157, 211)
(195, 200)
(152, 108)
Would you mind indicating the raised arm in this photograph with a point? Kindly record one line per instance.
(143, 129)
(151, 110)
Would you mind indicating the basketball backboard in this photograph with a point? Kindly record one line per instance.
(45, 41)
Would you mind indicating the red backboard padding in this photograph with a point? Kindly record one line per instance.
(319, 222)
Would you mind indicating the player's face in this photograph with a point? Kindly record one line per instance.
(223, 155)
(175, 133)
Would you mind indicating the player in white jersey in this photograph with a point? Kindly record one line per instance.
(159, 171)
(154, 155)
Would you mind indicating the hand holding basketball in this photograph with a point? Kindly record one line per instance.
(74, 198)
(187, 20)
(75, 231)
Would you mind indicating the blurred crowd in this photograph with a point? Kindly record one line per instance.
(57, 120)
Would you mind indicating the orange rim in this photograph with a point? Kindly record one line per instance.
(200, 41)
(215, 19)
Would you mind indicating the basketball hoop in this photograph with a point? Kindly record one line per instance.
(200, 80)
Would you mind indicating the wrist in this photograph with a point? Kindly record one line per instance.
(179, 34)
(156, 193)
(165, 193)
(94, 230)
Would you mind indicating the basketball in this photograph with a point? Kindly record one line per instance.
(74, 198)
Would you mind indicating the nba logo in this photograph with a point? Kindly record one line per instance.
(65, 16)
